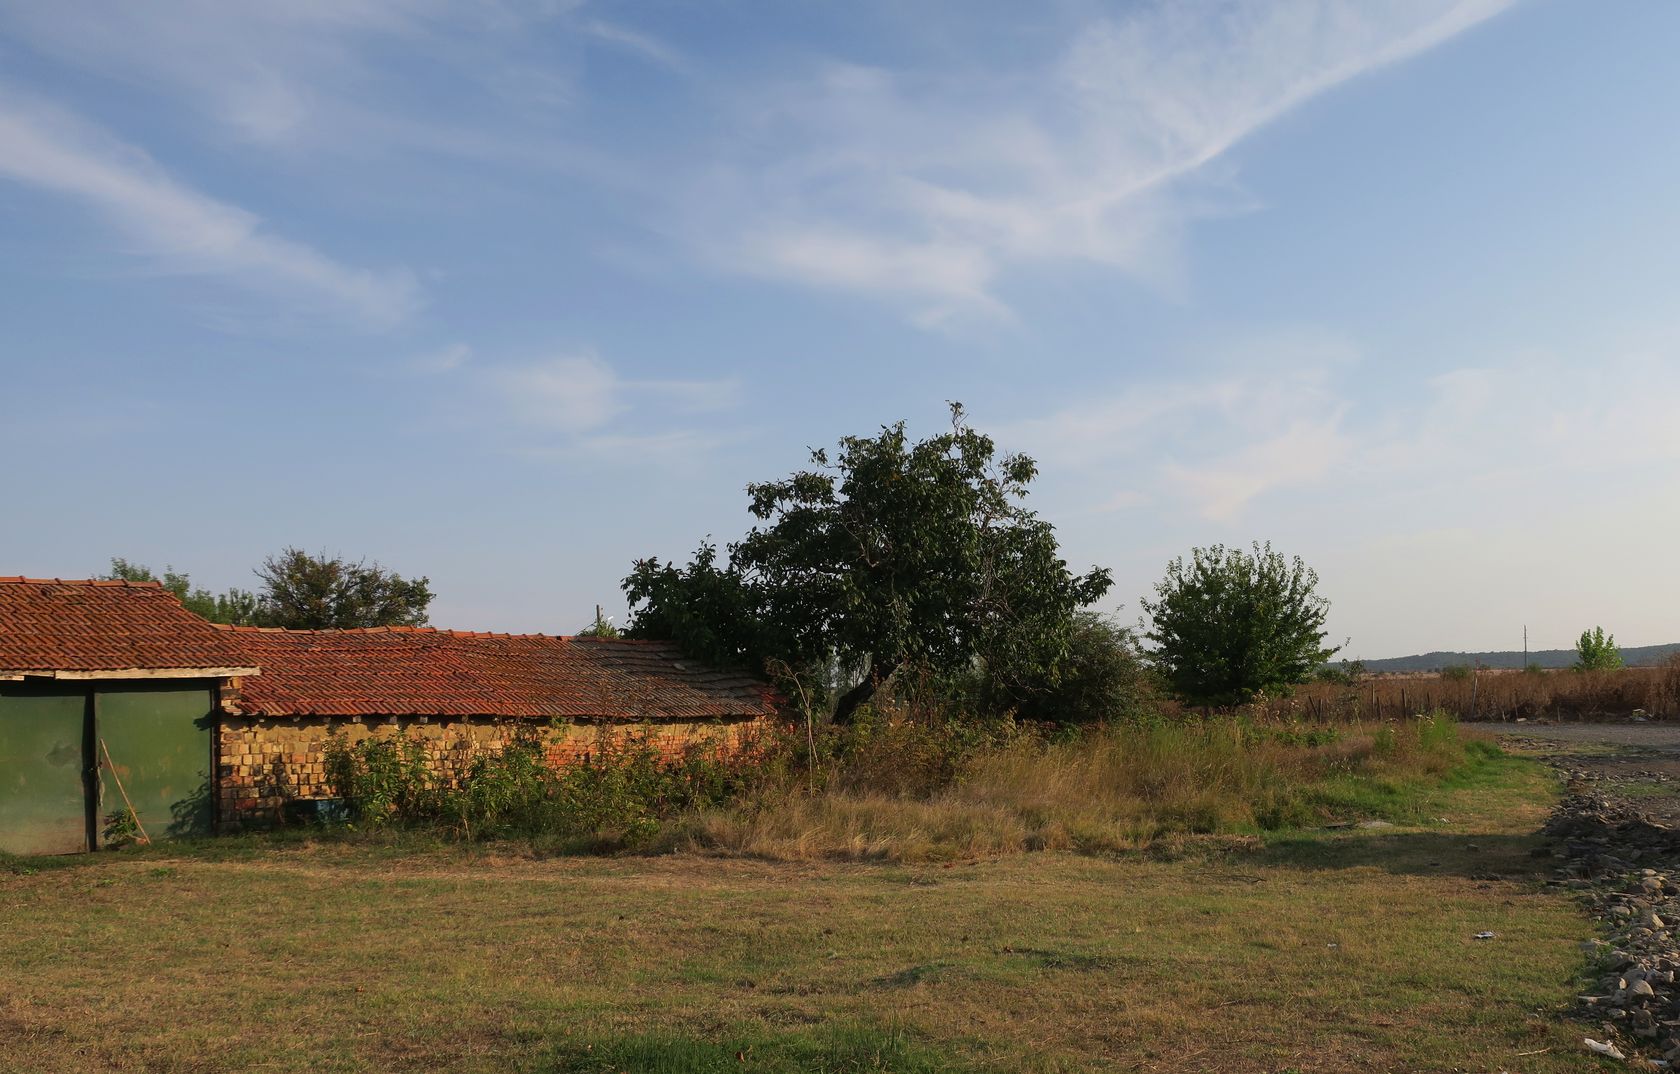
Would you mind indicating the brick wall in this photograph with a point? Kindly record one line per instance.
(266, 763)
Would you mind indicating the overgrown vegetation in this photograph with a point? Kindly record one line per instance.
(617, 796)
(909, 785)
(1481, 694)
(909, 791)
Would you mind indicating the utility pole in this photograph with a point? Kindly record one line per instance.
(1525, 647)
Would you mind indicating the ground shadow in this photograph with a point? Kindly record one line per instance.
(1477, 857)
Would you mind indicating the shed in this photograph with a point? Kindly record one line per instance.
(101, 684)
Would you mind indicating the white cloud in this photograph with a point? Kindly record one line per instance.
(581, 400)
(569, 394)
(182, 229)
(1303, 453)
(925, 188)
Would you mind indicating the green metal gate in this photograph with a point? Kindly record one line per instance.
(158, 741)
(43, 769)
(54, 737)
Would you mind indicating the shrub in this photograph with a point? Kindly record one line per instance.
(1346, 673)
(1102, 677)
(617, 794)
(381, 780)
(1597, 651)
(1228, 626)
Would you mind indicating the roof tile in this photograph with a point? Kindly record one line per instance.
(48, 624)
(409, 671)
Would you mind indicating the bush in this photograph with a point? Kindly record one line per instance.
(618, 794)
(1345, 673)
(1102, 677)
(1228, 626)
(1597, 651)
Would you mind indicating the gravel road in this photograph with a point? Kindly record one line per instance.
(1654, 737)
(1636, 765)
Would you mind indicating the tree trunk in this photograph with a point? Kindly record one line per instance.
(845, 710)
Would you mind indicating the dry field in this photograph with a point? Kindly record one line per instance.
(1305, 951)
(1493, 695)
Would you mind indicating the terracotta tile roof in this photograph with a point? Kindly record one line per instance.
(50, 625)
(410, 671)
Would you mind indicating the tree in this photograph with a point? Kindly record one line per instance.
(1227, 626)
(304, 592)
(1102, 677)
(237, 606)
(886, 555)
(1597, 651)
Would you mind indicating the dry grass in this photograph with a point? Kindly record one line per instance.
(1493, 695)
(1323, 952)
(1117, 789)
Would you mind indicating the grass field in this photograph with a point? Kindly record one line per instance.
(1311, 951)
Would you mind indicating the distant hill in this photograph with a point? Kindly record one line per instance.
(1546, 658)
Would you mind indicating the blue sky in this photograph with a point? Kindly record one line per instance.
(509, 294)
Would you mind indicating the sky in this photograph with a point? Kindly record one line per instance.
(511, 294)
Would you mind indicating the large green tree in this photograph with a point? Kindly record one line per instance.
(1226, 626)
(305, 592)
(884, 555)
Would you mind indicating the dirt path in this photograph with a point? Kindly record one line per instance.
(1636, 764)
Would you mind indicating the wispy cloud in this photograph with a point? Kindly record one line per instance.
(1221, 445)
(926, 187)
(575, 400)
(637, 43)
(179, 228)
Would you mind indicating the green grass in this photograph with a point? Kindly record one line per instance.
(1308, 950)
(836, 1050)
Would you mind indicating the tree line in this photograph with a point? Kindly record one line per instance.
(891, 561)
(896, 564)
(299, 591)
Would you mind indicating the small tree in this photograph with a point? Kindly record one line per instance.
(1597, 651)
(236, 606)
(304, 592)
(1227, 626)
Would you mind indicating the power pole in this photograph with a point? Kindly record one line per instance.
(1525, 647)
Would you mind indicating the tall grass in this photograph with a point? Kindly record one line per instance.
(1109, 789)
(1490, 695)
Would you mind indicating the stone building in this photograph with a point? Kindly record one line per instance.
(115, 700)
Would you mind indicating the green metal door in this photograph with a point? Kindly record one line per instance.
(43, 770)
(159, 745)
